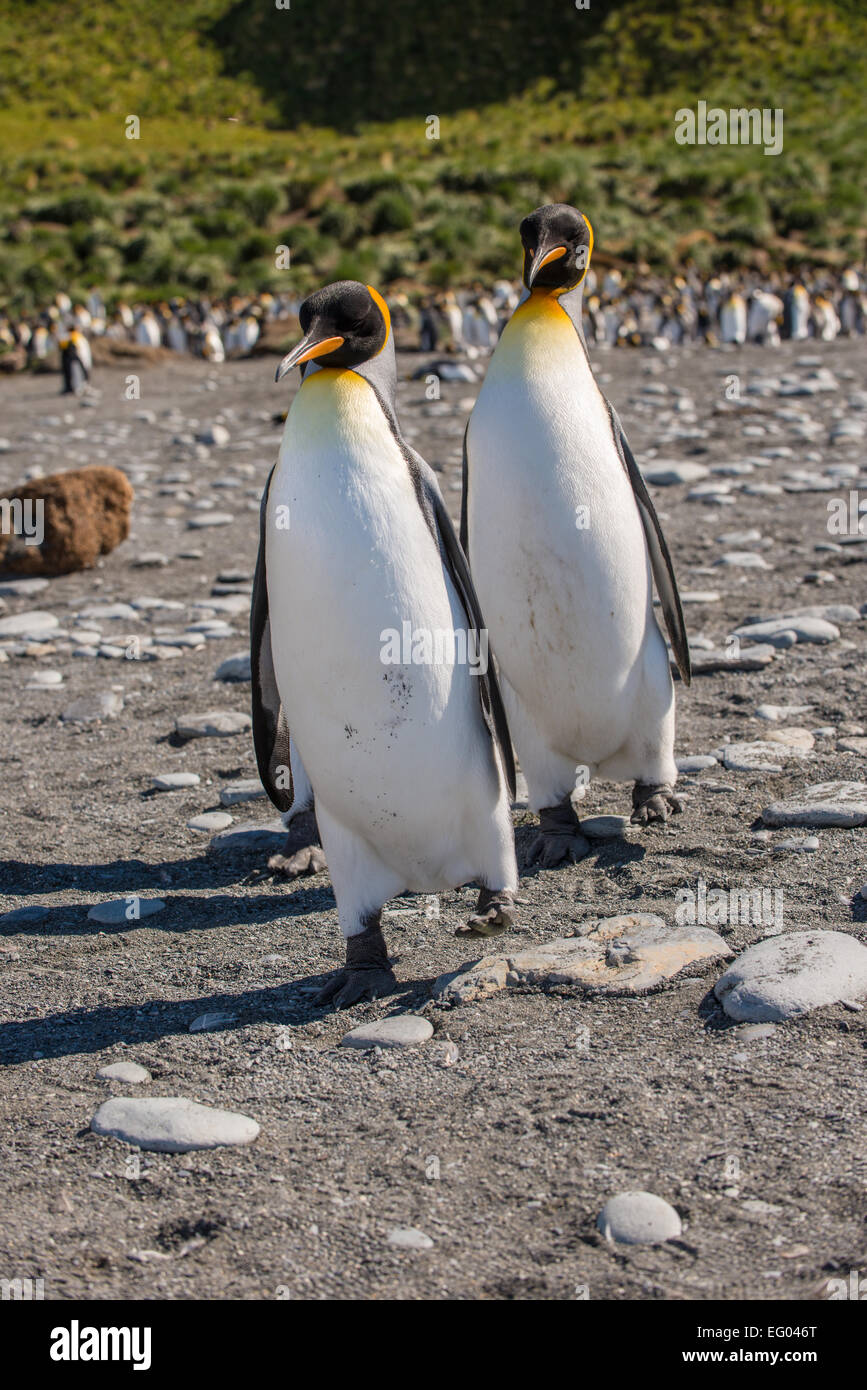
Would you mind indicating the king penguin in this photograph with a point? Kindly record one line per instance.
(564, 543)
(405, 753)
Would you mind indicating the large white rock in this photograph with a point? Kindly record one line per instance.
(173, 781)
(805, 629)
(172, 1124)
(824, 803)
(629, 954)
(638, 1218)
(400, 1030)
(22, 623)
(129, 909)
(246, 789)
(787, 976)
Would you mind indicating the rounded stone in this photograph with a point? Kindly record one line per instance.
(400, 1030)
(129, 909)
(34, 913)
(172, 1124)
(638, 1218)
(787, 976)
(604, 827)
(129, 1072)
(173, 781)
(409, 1238)
(210, 821)
(214, 724)
(33, 622)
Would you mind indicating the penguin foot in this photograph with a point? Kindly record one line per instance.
(559, 838)
(367, 973)
(302, 852)
(654, 801)
(495, 913)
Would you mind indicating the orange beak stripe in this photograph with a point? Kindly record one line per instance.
(551, 256)
(320, 349)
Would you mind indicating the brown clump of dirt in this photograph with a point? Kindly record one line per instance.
(86, 513)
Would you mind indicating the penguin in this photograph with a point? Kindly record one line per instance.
(796, 313)
(733, 320)
(76, 363)
(563, 543)
(405, 755)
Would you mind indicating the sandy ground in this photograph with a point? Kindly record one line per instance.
(555, 1102)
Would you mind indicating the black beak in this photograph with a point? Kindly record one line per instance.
(545, 254)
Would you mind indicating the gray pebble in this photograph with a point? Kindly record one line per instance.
(129, 909)
(171, 781)
(129, 1072)
(638, 1218)
(171, 1124)
(400, 1030)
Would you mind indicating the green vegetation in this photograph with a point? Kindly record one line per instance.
(307, 127)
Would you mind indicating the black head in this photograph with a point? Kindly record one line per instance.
(343, 324)
(558, 244)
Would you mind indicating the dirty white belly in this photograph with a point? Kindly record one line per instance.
(397, 753)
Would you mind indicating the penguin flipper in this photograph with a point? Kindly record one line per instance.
(660, 557)
(465, 477)
(270, 729)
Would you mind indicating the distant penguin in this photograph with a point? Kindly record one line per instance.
(796, 313)
(405, 751)
(733, 319)
(826, 324)
(147, 330)
(76, 363)
(563, 539)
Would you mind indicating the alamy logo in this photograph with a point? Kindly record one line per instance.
(422, 646)
(718, 907)
(77, 1343)
(738, 126)
(23, 517)
(854, 1288)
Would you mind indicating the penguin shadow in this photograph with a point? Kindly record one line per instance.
(603, 854)
(713, 1015)
(131, 878)
(96, 1029)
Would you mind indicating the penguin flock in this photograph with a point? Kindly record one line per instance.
(402, 769)
(648, 311)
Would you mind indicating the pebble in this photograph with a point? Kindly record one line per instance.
(743, 559)
(669, 474)
(205, 1022)
(805, 630)
(247, 789)
(254, 837)
(108, 612)
(408, 1238)
(129, 909)
(210, 821)
(21, 915)
(754, 659)
(198, 523)
(22, 588)
(752, 757)
(234, 668)
(171, 781)
(823, 803)
(150, 559)
(214, 724)
(604, 827)
(698, 763)
(129, 1072)
(772, 713)
(172, 1124)
(217, 436)
(638, 1218)
(106, 705)
(754, 1032)
(45, 679)
(27, 624)
(399, 1030)
(788, 976)
(232, 603)
(807, 846)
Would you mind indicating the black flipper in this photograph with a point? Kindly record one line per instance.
(660, 559)
(270, 730)
(465, 478)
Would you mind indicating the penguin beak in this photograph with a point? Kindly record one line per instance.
(310, 346)
(543, 257)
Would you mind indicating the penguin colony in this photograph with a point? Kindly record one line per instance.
(404, 767)
(649, 311)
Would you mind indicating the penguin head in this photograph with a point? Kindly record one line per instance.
(558, 244)
(343, 324)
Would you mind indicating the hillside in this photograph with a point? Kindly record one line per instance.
(307, 127)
